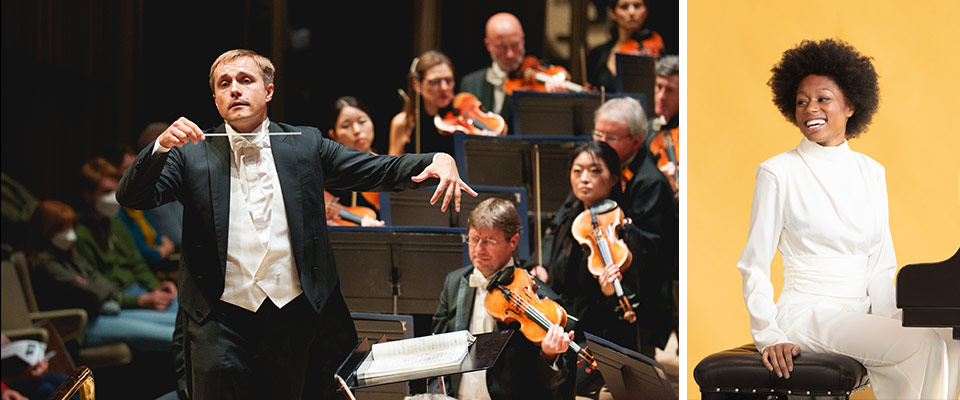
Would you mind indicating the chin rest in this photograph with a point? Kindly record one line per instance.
(739, 374)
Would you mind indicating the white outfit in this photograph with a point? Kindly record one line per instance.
(825, 209)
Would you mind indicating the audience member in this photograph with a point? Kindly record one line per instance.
(63, 279)
(33, 383)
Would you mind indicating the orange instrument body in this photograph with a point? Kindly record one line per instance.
(651, 46)
(466, 116)
(597, 229)
(512, 297)
(341, 215)
(664, 147)
(533, 76)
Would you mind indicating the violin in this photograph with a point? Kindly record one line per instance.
(512, 297)
(651, 46)
(466, 116)
(345, 215)
(663, 147)
(596, 228)
(534, 75)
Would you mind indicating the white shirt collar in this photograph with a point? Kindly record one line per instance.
(260, 140)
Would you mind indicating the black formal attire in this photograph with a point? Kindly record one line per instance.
(476, 83)
(232, 352)
(597, 72)
(520, 372)
(430, 138)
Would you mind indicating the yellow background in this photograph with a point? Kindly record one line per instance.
(733, 126)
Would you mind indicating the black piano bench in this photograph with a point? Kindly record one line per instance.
(738, 374)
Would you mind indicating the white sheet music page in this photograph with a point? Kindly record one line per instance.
(427, 353)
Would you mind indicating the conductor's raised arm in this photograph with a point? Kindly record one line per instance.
(444, 168)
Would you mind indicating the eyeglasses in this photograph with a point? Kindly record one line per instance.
(604, 137)
(438, 81)
(473, 241)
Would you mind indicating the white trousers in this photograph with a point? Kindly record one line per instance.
(903, 363)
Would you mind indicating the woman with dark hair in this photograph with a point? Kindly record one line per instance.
(353, 127)
(63, 279)
(627, 36)
(430, 90)
(824, 207)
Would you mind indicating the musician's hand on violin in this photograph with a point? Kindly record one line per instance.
(555, 87)
(370, 221)
(179, 133)
(779, 358)
(669, 169)
(445, 168)
(609, 274)
(540, 272)
(555, 342)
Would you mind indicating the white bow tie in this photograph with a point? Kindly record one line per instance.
(478, 281)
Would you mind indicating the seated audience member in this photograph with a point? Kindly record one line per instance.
(167, 219)
(430, 90)
(627, 36)
(33, 383)
(63, 279)
(664, 143)
(523, 370)
(353, 127)
(103, 240)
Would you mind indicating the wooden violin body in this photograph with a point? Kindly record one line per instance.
(597, 228)
(466, 116)
(534, 76)
(512, 297)
(663, 147)
(345, 215)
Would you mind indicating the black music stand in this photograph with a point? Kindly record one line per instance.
(387, 327)
(628, 374)
(636, 74)
(395, 269)
(412, 207)
(559, 114)
(482, 355)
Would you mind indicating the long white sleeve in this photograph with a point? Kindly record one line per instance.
(766, 225)
(882, 263)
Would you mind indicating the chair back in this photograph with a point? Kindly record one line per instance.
(14, 306)
(23, 272)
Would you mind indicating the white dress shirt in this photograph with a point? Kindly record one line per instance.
(496, 77)
(473, 385)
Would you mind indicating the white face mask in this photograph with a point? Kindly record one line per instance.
(65, 239)
(107, 205)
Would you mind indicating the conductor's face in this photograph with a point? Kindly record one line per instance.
(490, 248)
(241, 94)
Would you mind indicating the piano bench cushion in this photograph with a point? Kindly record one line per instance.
(740, 371)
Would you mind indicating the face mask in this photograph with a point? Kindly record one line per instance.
(65, 239)
(107, 205)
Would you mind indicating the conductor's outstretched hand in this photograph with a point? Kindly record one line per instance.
(445, 168)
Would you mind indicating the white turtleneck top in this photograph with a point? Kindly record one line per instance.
(825, 210)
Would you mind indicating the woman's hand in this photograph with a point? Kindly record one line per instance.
(779, 358)
(609, 274)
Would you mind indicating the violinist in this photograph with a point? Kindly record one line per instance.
(524, 370)
(430, 90)
(664, 143)
(627, 36)
(653, 235)
(504, 41)
(353, 127)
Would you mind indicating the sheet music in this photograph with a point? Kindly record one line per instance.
(428, 353)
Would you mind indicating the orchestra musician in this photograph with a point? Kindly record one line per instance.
(258, 285)
(353, 127)
(824, 207)
(430, 90)
(523, 370)
(627, 36)
(664, 144)
(504, 41)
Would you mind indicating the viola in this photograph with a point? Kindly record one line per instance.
(345, 215)
(596, 228)
(466, 116)
(512, 297)
(534, 75)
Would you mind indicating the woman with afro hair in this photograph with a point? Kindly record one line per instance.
(824, 207)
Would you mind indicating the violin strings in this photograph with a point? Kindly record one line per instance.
(544, 322)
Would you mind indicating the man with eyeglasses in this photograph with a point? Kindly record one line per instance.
(504, 41)
(523, 370)
(648, 201)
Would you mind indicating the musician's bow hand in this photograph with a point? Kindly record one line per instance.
(445, 168)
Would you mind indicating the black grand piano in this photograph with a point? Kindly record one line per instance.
(929, 294)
